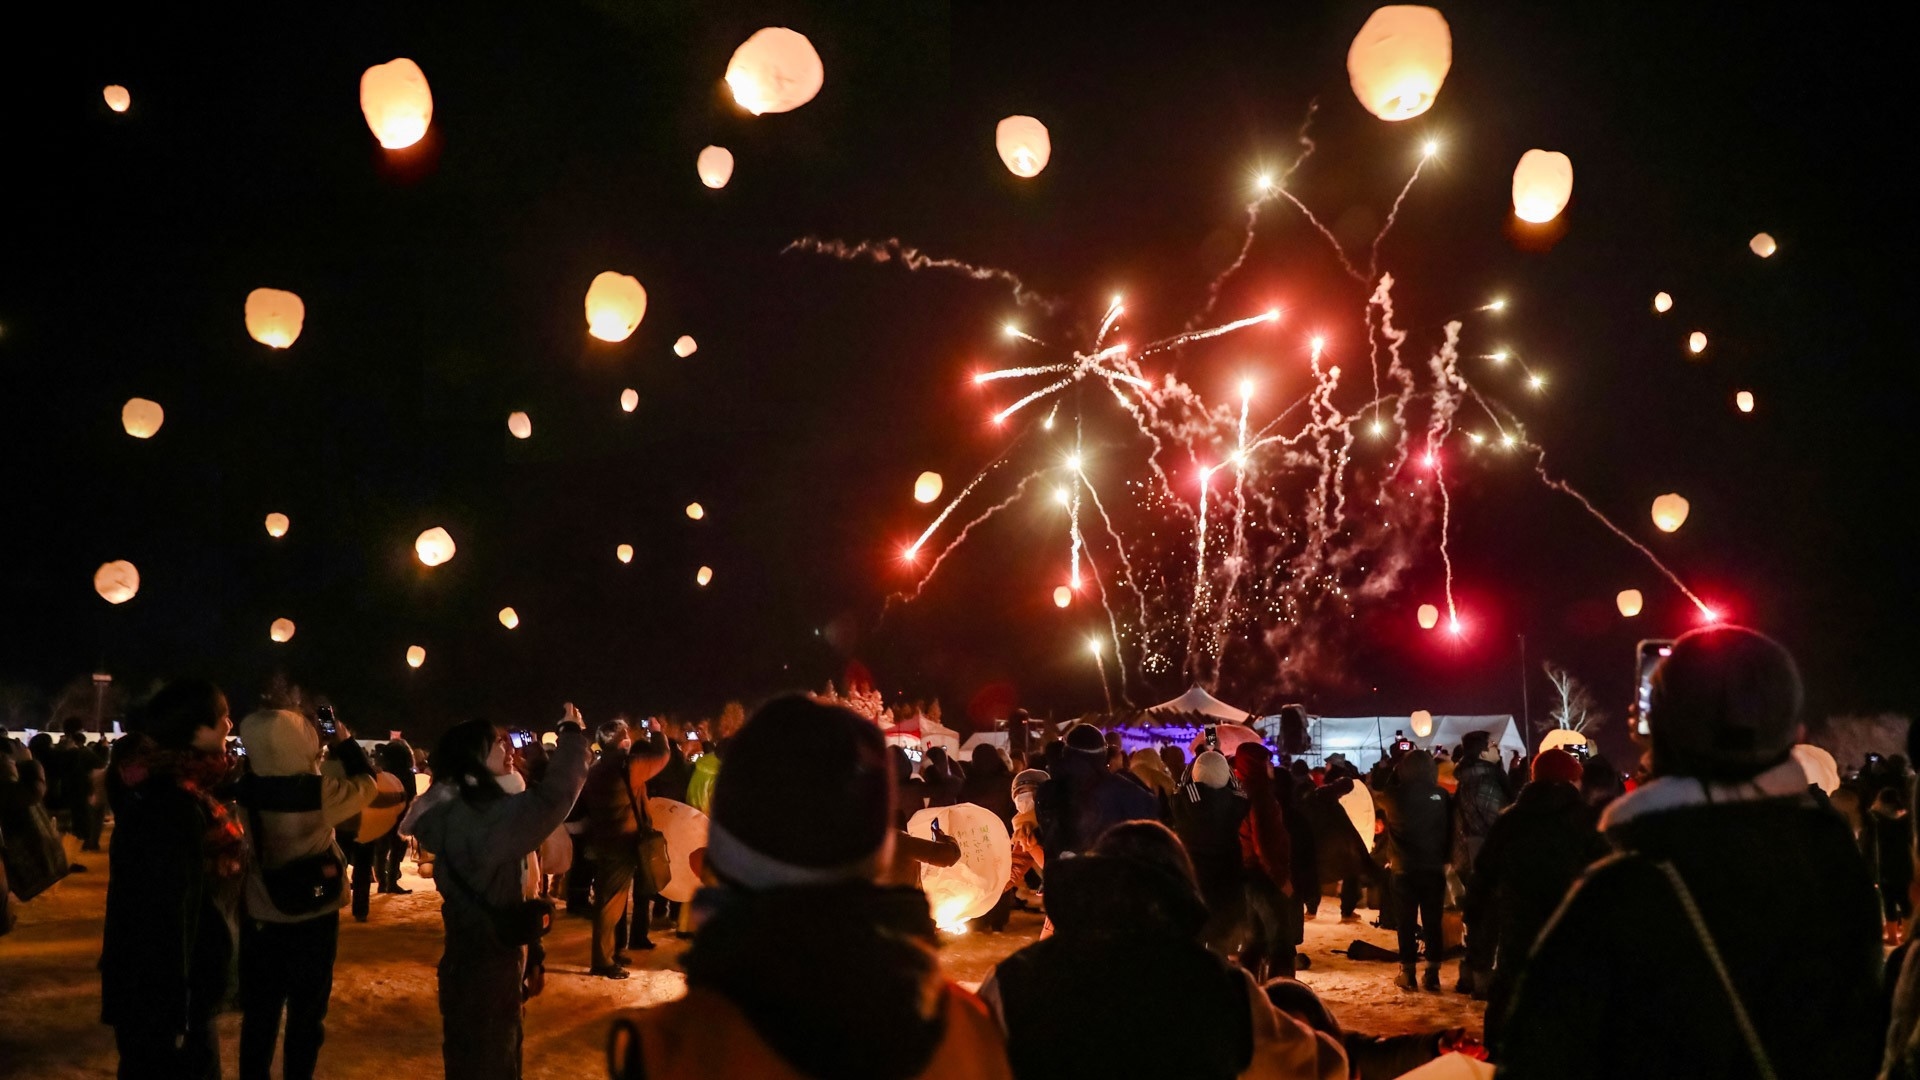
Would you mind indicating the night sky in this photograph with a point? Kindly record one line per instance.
(443, 288)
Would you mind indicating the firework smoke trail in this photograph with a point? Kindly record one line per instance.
(891, 249)
(1073, 533)
(1201, 335)
(1540, 468)
(960, 538)
(1253, 216)
(1199, 571)
(1237, 555)
(1113, 624)
(1001, 416)
(1446, 556)
(1100, 663)
(1020, 372)
(1126, 570)
(1338, 251)
(1113, 316)
(1382, 298)
(1373, 256)
(1047, 424)
(958, 499)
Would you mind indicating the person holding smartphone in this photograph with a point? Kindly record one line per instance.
(617, 822)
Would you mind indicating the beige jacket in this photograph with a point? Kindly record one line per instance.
(280, 743)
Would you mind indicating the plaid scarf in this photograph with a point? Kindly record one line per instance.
(196, 773)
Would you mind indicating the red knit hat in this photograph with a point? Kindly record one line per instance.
(1556, 765)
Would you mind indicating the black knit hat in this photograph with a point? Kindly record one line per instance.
(1725, 705)
(805, 798)
(1087, 739)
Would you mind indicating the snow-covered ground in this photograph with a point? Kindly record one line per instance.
(385, 1020)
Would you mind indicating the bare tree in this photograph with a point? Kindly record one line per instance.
(1575, 707)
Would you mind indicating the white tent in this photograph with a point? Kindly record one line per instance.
(1364, 740)
(1196, 700)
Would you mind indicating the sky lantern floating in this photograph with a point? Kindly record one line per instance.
(1422, 723)
(395, 99)
(715, 165)
(1399, 59)
(703, 576)
(281, 630)
(509, 618)
(685, 346)
(1542, 184)
(520, 424)
(416, 656)
(275, 316)
(1062, 596)
(774, 71)
(696, 511)
(1669, 512)
(1762, 245)
(1696, 343)
(616, 303)
(624, 553)
(1629, 602)
(927, 487)
(117, 98)
(1744, 400)
(1024, 145)
(629, 399)
(1662, 302)
(1429, 616)
(141, 417)
(117, 581)
(277, 525)
(434, 546)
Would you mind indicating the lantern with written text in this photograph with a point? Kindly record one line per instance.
(616, 303)
(117, 581)
(1399, 59)
(275, 316)
(434, 546)
(1024, 145)
(774, 71)
(1669, 512)
(396, 102)
(969, 888)
(141, 417)
(1542, 184)
(715, 166)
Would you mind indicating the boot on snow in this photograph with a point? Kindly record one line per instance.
(1408, 980)
(1432, 981)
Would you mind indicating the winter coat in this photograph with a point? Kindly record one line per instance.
(1418, 815)
(32, 840)
(1208, 820)
(616, 797)
(1265, 846)
(989, 783)
(293, 802)
(1787, 902)
(1125, 945)
(1083, 800)
(1479, 796)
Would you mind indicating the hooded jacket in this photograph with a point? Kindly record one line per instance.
(1083, 800)
(1419, 816)
(293, 802)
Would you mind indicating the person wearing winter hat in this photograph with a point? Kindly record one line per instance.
(615, 798)
(1207, 814)
(1083, 799)
(1419, 818)
(802, 966)
(287, 942)
(1029, 858)
(1729, 879)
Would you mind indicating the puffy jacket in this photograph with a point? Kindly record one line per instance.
(1418, 814)
(293, 802)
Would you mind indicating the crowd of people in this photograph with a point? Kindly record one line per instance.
(1715, 915)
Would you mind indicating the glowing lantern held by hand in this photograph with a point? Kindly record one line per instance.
(1629, 602)
(275, 316)
(685, 346)
(397, 104)
(1669, 512)
(141, 417)
(1062, 596)
(629, 399)
(509, 618)
(715, 166)
(1662, 302)
(520, 424)
(1024, 145)
(1822, 771)
(1429, 616)
(1763, 245)
(969, 888)
(117, 98)
(281, 630)
(703, 576)
(696, 511)
(1422, 723)
(927, 487)
(1399, 59)
(1744, 400)
(774, 71)
(117, 581)
(615, 305)
(1542, 184)
(416, 656)
(434, 546)
(624, 553)
(277, 524)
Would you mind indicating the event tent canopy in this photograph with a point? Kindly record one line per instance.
(1198, 701)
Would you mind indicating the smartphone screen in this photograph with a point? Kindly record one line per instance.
(326, 722)
(1646, 657)
(522, 738)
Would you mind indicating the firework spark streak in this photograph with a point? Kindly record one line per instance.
(1540, 469)
(961, 537)
(892, 250)
(1267, 194)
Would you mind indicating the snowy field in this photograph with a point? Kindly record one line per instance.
(385, 1020)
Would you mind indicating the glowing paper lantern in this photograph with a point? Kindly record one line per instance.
(715, 165)
(397, 104)
(1062, 596)
(117, 97)
(1744, 400)
(117, 581)
(1358, 804)
(281, 630)
(1819, 766)
(696, 511)
(1763, 245)
(1662, 302)
(629, 399)
(969, 888)
(774, 71)
(509, 618)
(1429, 616)
(277, 524)
(927, 487)
(1629, 602)
(1542, 184)
(704, 576)
(141, 417)
(1696, 343)
(685, 346)
(275, 316)
(1422, 723)
(1023, 144)
(624, 553)
(686, 831)
(434, 546)
(615, 305)
(1669, 512)
(1399, 59)
(1561, 739)
(520, 424)
(416, 656)
(1230, 736)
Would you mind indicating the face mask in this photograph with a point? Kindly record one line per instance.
(1023, 802)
